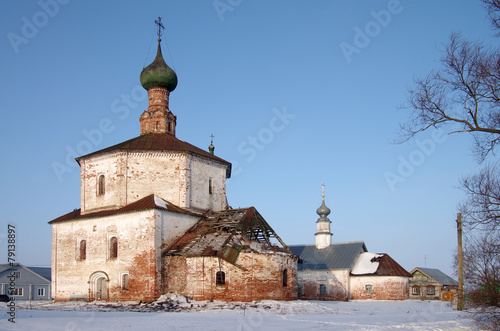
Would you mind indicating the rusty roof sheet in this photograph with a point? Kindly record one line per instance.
(225, 234)
(158, 142)
(149, 202)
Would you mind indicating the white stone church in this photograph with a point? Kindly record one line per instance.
(154, 219)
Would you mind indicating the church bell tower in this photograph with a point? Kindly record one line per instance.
(159, 80)
(323, 236)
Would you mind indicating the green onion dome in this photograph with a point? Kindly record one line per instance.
(158, 74)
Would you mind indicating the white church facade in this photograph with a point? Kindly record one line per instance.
(154, 219)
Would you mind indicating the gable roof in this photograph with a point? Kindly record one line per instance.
(226, 233)
(160, 142)
(437, 275)
(149, 202)
(335, 256)
(43, 272)
(378, 265)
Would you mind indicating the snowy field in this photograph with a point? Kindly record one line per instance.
(177, 314)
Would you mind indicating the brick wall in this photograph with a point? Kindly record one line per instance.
(195, 277)
(381, 287)
(335, 284)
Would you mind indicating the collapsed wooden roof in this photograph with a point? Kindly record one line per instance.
(226, 233)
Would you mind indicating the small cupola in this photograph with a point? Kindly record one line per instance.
(323, 234)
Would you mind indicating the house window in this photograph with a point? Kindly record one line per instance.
(100, 185)
(113, 248)
(322, 289)
(299, 289)
(16, 291)
(285, 277)
(431, 290)
(210, 186)
(415, 290)
(83, 250)
(220, 278)
(125, 282)
(17, 274)
(368, 289)
(41, 292)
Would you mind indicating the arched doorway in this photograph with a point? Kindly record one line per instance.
(98, 286)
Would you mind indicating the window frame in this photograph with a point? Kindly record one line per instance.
(368, 289)
(415, 290)
(431, 290)
(101, 185)
(284, 277)
(220, 278)
(113, 247)
(82, 250)
(42, 290)
(322, 289)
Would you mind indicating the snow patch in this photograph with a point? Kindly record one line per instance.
(160, 202)
(366, 264)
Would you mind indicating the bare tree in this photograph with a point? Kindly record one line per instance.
(464, 92)
(493, 8)
(482, 271)
(481, 209)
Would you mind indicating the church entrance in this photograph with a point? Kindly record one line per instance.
(98, 286)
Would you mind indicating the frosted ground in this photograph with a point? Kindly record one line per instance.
(176, 314)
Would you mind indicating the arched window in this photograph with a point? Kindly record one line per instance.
(113, 248)
(125, 282)
(100, 185)
(83, 249)
(285, 277)
(220, 278)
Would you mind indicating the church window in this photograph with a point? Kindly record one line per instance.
(113, 248)
(415, 290)
(157, 125)
(431, 290)
(210, 186)
(368, 289)
(299, 289)
(100, 185)
(322, 289)
(285, 277)
(220, 278)
(83, 249)
(125, 282)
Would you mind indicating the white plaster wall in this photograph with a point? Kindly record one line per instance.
(201, 171)
(336, 280)
(181, 179)
(70, 276)
(173, 226)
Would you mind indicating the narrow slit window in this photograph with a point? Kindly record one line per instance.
(220, 278)
(210, 186)
(125, 282)
(83, 249)
(322, 289)
(285, 277)
(100, 185)
(113, 248)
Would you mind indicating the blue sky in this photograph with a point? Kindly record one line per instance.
(292, 90)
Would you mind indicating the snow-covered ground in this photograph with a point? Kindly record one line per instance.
(176, 314)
